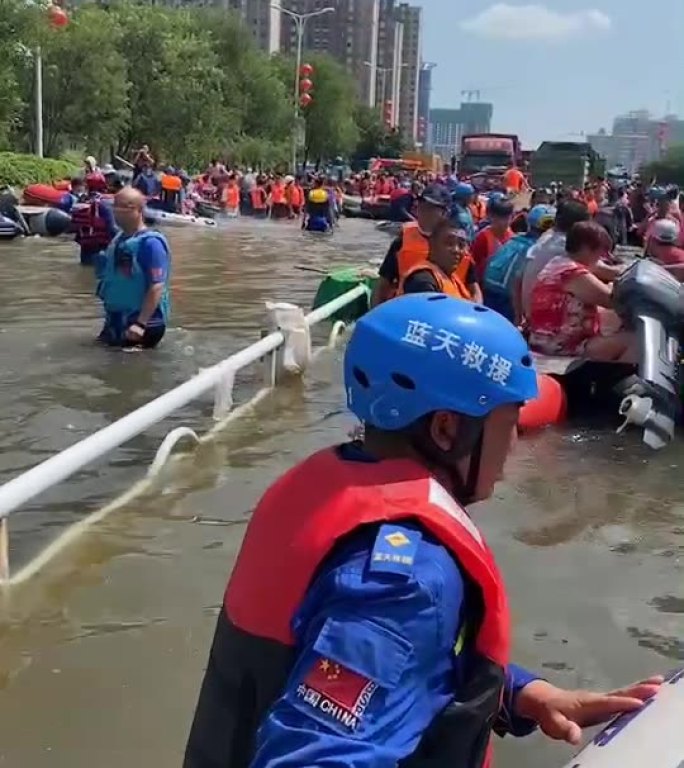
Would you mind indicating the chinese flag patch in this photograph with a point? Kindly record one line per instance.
(338, 691)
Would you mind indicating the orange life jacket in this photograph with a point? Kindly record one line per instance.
(258, 198)
(231, 196)
(278, 194)
(415, 247)
(452, 284)
(294, 527)
(463, 267)
(478, 210)
(171, 183)
(297, 196)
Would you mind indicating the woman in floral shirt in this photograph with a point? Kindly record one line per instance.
(564, 313)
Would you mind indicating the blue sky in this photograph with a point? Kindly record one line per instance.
(555, 68)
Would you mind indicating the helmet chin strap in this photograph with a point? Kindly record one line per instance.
(469, 442)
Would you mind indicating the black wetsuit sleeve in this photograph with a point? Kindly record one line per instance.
(389, 269)
(421, 282)
(471, 275)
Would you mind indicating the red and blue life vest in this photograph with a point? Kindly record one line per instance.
(293, 529)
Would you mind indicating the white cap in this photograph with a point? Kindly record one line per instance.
(288, 179)
(666, 231)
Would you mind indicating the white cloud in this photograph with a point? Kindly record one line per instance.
(534, 22)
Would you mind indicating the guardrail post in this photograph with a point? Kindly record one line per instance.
(4, 550)
(295, 354)
(269, 366)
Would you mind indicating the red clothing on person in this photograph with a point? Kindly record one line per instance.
(560, 323)
(484, 246)
(665, 253)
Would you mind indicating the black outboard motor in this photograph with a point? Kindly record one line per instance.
(651, 302)
(9, 203)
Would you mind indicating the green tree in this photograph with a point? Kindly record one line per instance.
(176, 85)
(375, 139)
(669, 169)
(17, 33)
(84, 83)
(330, 126)
(251, 80)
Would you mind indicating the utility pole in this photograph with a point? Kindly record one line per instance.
(299, 20)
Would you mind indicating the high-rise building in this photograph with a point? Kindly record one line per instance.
(262, 18)
(637, 139)
(447, 126)
(390, 54)
(424, 92)
(410, 17)
(350, 35)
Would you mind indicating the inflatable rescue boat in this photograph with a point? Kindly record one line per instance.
(647, 395)
(159, 218)
(650, 736)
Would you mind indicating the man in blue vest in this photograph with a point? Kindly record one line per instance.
(133, 278)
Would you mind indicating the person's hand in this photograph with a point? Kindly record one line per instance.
(135, 332)
(562, 714)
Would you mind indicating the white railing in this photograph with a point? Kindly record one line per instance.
(68, 462)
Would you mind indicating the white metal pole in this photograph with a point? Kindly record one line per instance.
(38, 73)
(299, 21)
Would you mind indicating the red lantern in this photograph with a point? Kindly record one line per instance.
(57, 16)
(306, 70)
(305, 99)
(305, 85)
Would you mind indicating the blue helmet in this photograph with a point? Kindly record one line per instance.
(541, 217)
(427, 352)
(462, 190)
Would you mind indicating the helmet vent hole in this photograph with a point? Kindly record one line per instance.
(480, 308)
(527, 361)
(403, 381)
(361, 377)
(437, 297)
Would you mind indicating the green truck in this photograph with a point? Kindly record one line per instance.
(566, 163)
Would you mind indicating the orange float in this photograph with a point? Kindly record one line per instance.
(548, 408)
(43, 194)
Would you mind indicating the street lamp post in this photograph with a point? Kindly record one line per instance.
(38, 98)
(383, 78)
(299, 20)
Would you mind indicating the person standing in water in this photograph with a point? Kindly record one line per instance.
(133, 278)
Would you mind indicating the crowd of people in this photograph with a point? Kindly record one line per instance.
(548, 268)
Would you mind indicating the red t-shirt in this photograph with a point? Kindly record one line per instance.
(484, 246)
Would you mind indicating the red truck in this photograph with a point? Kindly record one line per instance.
(485, 157)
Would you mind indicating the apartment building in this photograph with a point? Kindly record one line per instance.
(262, 18)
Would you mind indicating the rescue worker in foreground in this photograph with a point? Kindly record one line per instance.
(448, 268)
(365, 622)
(412, 245)
(133, 278)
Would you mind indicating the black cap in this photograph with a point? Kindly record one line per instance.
(500, 208)
(437, 195)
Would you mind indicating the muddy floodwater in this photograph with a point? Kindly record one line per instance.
(101, 653)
